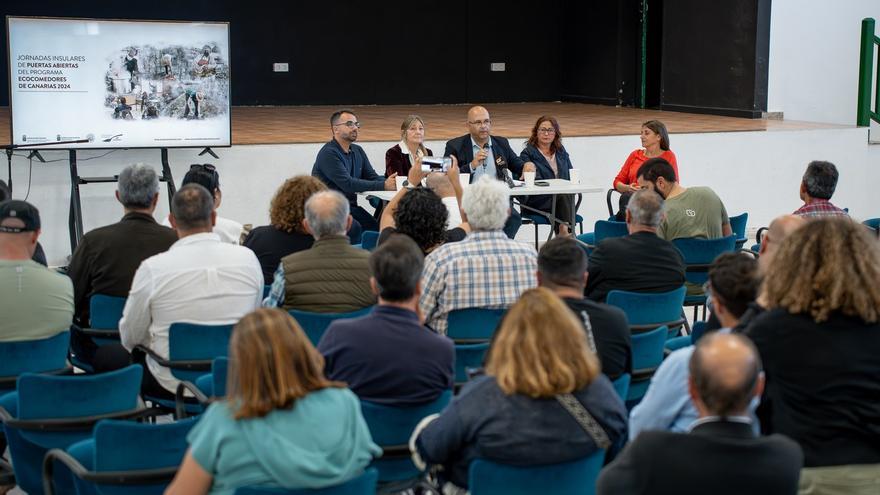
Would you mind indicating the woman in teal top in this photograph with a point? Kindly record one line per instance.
(283, 423)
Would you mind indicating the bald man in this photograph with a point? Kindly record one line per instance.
(721, 454)
(480, 153)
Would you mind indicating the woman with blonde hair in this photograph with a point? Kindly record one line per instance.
(540, 375)
(403, 155)
(285, 233)
(282, 424)
(820, 344)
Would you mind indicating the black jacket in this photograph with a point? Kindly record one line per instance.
(640, 262)
(462, 149)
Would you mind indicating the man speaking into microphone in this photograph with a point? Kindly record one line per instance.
(479, 153)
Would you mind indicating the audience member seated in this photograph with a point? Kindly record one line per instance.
(480, 154)
(330, 277)
(35, 302)
(285, 233)
(283, 424)
(562, 268)
(734, 281)
(423, 215)
(541, 376)
(200, 279)
(820, 342)
(206, 175)
(401, 157)
(655, 141)
(544, 148)
(693, 212)
(640, 261)
(721, 454)
(106, 258)
(486, 269)
(39, 255)
(817, 187)
(388, 356)
(344, 167)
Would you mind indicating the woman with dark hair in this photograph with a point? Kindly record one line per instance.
(655, 143)
(544, 149)
(282, 424)
(403, 155)
(542, 383)
(420, 214)
(820, 344)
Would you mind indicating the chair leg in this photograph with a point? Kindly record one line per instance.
(536, 237)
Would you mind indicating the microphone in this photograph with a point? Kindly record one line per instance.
(485, 147)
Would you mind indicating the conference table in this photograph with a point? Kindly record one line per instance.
(554, 187)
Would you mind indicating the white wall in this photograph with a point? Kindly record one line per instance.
(814, 58)
(758, 172)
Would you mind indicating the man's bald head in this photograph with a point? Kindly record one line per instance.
(479, 125)
(725, 374)
(477, 113)
(440, 184)
(779, 229)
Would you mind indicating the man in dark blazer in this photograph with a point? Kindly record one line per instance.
(480, 154)
(721, 454)
(640, 261)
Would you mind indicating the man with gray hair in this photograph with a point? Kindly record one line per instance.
(640, 261)
(106, 258)
(486, 269)
(199, 279)
(817, 187)
(330, 277)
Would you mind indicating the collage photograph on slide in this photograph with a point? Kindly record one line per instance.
(145, 82)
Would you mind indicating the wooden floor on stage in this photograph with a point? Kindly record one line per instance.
(309, 124)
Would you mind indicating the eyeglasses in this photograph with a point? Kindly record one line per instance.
(350, 124)
(203, 166)
(480, 122)
(546, 130)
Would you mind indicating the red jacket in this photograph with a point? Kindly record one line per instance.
(628, 173)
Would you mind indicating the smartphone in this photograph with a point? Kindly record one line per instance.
(541, 183)
(436, 164)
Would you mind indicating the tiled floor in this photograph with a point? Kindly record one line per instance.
(309, 124)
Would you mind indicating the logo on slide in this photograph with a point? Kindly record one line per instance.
(690, 213)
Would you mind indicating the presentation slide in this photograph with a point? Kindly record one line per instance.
(119, 84)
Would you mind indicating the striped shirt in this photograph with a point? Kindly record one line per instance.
(820, 208)
(486, 270)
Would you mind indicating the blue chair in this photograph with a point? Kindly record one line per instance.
(104, 315)
(647, 354)
(369, 238)
(192, 348)
(364, 484)
(738, 225)
(473, 325)
(206, 387)
(621, 385)
(490, 478)
(873, 224)
(603, 229)
(47, 356)
(698, 256)
(106, 464)
(54, 412)
(699, 331)
(391, 427)
(468, 356)
(315, 324)
(646, 310)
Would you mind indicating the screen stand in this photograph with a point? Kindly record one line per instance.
(210, 152)
(75, 216)
(9, 169)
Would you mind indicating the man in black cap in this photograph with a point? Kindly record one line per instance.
(35, 302)
(39, 255)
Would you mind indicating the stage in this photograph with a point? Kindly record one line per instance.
(310, 124)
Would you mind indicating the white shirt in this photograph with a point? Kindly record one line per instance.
(454, 212)
(198, 280)
(228, 230)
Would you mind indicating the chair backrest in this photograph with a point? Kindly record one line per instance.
(364, 484)
(369, 238)
(158, 445)
(605, 229)
(579, 476)
(611, 214)
(105, 311)
(738, 225)
(315, 324)
(621, 385)
(698, 331)
(393, 425)
(194, 342)
(647, 349)
(698, 254)
(468, 356)
(219, 373)
(473, 324)
(647, 310)
(33, 356)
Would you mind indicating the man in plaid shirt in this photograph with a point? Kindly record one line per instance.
(487, 269)
(817, 187)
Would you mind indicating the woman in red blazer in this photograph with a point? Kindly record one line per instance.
(400, 157)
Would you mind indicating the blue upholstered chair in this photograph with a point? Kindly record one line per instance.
(490, 478)
(647, 310)
(468, 356)
(369, 238)
(738, 226)
(206, 387)
(104, 315)
(315, 324)
(473, 325)
(603, 229)
(648, 350)
(698, 255)
(47, 356)
(621, 385)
